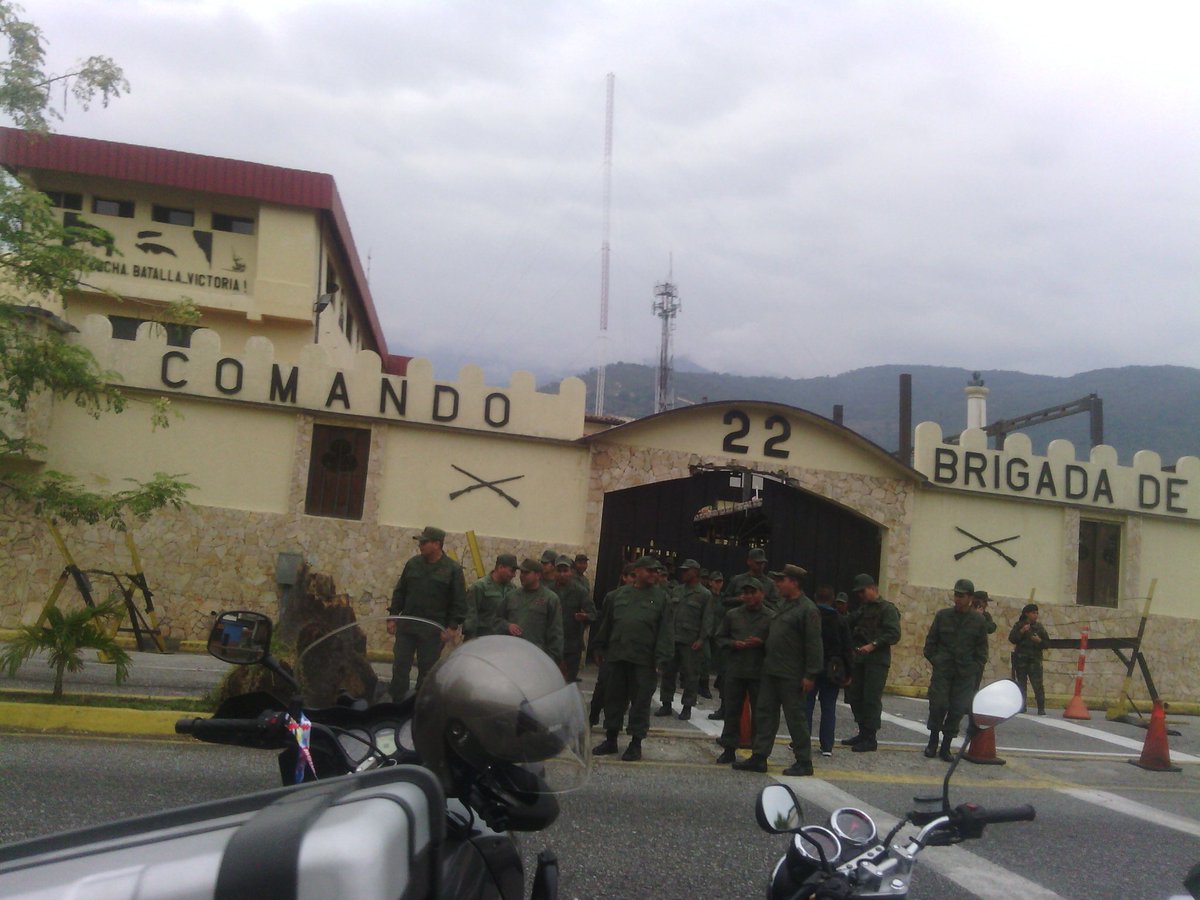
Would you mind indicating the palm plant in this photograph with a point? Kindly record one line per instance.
(63, 636)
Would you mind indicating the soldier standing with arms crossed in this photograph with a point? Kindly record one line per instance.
(956, 646)
(874, 629)
(742, 638)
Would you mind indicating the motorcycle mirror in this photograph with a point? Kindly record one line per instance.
(240, 637)
(778, 810)
(996, 703)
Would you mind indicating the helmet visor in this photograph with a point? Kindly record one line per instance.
(546, 736)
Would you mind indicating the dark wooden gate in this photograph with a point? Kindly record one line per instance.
(679, 519)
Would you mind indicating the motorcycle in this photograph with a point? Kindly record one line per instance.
(416, 798)
(847, 859)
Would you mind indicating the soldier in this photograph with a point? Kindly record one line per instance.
(575, 601)
(957, 648)
(1029, 639)
(794, 659)
(979, 603)
(756, 567)
(692, 622)
(597, 702)
(742, 637)
(631, 640)
(716, 655)
(534, 613)
(431, 586)
(549, 558)
(486, 597)
(874, 629)
(579, 572)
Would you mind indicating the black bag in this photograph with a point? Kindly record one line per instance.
(835, 671)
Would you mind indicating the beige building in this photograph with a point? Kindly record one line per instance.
(304, 438)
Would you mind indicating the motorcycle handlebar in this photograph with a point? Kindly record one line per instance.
(267, 729)
(1023, 813)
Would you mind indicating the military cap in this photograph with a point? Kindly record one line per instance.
(758, 554)
(842, 598)
(791, 571)
(563, 560)
(716, 575)
(657, 565)
(531, 565)
(964, 586)
(751, 584)
(1028, 608)
(860, 582)
(704, 573)
(982, 595)
(549, 555)
(687, 564)
(429, 533)
(581, 557)
(506, 559)
(646, 562)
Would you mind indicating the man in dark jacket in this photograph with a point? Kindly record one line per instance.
(956, 646)
(835, 641)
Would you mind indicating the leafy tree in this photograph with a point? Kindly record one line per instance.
(63, 636)
(41, 259)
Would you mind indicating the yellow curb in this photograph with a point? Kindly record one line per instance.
(44, 718)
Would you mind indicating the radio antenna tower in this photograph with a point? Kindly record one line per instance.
(604, 248)
(666, 306)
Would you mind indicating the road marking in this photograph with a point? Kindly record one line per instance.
(973, 873)
(1134, 809)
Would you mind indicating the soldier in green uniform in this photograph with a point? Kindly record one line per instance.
(979, 603)
(430, 586)
(795, 656)
(575, 601)
(874, 629)
(1029, 639)
(631, 640)
(596, 707)
(742, 637)
(756, 567)
(534, 613)
(957, 648)
(579, 572)
(716, 663)
(549, 558)
(486, 596)
(691, 623)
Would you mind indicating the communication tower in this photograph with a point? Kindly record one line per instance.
(666, 306)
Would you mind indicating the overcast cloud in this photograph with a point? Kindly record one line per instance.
(999, 186)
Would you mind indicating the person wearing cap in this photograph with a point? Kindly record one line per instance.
(979, 603)
(756, 567)
(835, 643)
(1029, 639)
(742, 639)
(575, 601)
(549, 558)
(874, 630)
(631, 640)
(795, 657)
(431, 586)
(713, 664)
(534, 613)
(486, 597)
(956, 646)
(596, 706)
(579, 571)
(692, 622)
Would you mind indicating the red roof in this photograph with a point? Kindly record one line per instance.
(193, 172)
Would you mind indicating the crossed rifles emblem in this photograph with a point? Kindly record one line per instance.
(485, 484)
(991, 545)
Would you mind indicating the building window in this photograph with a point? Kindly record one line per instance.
(337, 472)
(236, 224)
(1099, 563)
(124, 328)
(105, 207)
(169, 215)
(64, 200)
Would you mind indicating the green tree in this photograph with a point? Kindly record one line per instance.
(41, 259)
(64, 636)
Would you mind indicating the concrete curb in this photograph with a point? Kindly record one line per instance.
(46, 718)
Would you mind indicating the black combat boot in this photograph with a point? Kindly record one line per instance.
(752, 763)
(931, 749)
(634, 751)
(727, 756)
(607, 747)
(798, 768)
(945, 753)
(867, 744)
(851, 741)
(685, 714)
(664, 710)
(704, 691)
(718, 713)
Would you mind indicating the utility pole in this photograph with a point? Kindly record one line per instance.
(604, 248)
(666, 306)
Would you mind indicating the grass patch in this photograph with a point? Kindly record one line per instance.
(113, 701)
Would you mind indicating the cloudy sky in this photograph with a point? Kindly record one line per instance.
(1006, 185)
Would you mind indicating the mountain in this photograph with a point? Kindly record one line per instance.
(1145, 407)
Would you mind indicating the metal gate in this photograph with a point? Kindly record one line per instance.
(716, 517)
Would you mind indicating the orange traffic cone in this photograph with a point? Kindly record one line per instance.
(1076, 708)
(745, 735)
(1156, 756)
(982, 749)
